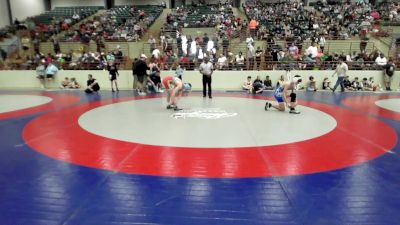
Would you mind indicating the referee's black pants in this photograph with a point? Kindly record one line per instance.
(206, 81)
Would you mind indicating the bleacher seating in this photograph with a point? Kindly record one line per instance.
(66, 12)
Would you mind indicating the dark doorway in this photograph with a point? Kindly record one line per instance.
(109, 4)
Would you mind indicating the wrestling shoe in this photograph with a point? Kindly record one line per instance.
(170, 106)
(267, 106)
(293, 111)
(176, 108)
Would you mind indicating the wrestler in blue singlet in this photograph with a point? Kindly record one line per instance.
(278, 94)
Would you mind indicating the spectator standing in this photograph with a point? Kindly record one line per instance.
(140, 69)
(179, 72)
(41, 74)
(113, 73)
(390, 67)
(206, 68)
(381, 61)
(152, 42)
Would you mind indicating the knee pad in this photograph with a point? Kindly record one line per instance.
(292, 97)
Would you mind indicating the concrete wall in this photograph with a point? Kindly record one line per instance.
(64, 3)
(222, 80)
(22, 9)
(4, 21)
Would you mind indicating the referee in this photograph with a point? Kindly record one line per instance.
(206, 68)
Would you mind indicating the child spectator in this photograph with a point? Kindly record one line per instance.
(311, 85)
(357, 85)
(326, 83)
(247, 85)
(74, 83)
(65, 83)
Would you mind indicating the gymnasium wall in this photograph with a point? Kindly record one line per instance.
(140, 2)
(4, 21)
(222, 80)
(66, 3)
(22, 9)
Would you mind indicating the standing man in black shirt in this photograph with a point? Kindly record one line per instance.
(113, 72)
(140, 70)
(389, 72)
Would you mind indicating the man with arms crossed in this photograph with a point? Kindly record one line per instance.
(206, 68)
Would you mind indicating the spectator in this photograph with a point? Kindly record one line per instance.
(311, 85)
(357, 85)
(268, 83)
(179, 72)
(326, 83)
(92, 85)
(240, 61)
(222, 62)
(140, 69)
(112, 74)
(74, 84)
(65, 83)
(381, 61)
(247, 84)
(41, 74)
(389, 70)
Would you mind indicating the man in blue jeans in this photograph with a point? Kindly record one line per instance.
(341, 71)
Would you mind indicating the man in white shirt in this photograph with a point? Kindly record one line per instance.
(312, 51)
(206, 68)
(221, 62)
(156, 53)
(341, 71)
(381, 61)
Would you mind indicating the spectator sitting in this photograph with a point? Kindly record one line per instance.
(381, 61)
(247, 85)
(311, 85)
(222, 62)
(280, 81)
(258, 86)
(369, 85)
(92, 85)
(65, 83)
(326, 83)
(268, 83)
(347, 84)
(74, 83)
(357, 85)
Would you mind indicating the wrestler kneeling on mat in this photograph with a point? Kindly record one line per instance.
(174, 88)
(283, 97)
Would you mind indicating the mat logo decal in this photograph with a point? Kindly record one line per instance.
(201, 113)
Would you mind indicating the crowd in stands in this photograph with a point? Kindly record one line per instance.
(124, 23)
(290, 19)
(200, 15)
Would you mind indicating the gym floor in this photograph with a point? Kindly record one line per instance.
(69, 158)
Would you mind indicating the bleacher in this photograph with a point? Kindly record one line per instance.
(196, 14)
(66, 12)
(123, 13)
